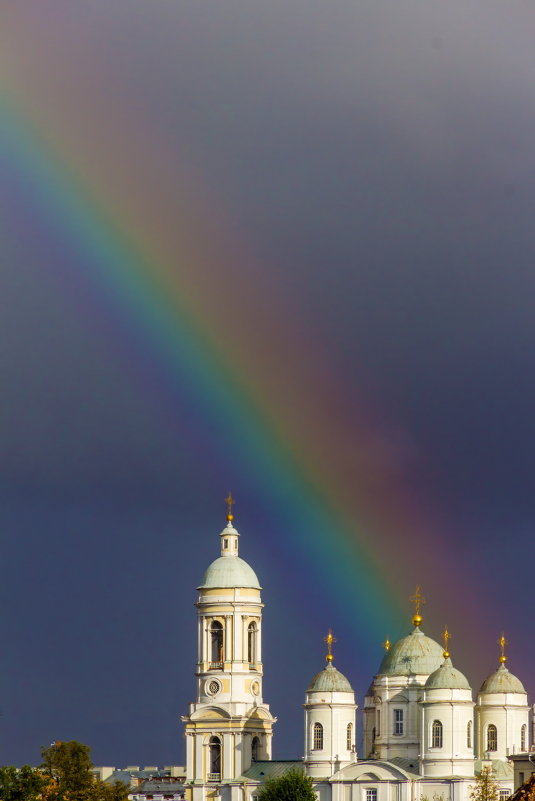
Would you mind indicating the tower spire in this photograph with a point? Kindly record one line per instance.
(329, 639)
(446, 636)
(229, 500)
(417, 599)
(502, 642)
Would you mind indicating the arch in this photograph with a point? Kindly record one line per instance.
(492, 737)
(317, 737)
(523, 732)
(349, 736)
(216, 642)
(255, 749)
(436, 734)
(214, 746)
(251, 642)
(469, 734)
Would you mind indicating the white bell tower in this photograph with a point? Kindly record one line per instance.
(229, 726)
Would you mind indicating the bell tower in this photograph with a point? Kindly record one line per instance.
(228, 726)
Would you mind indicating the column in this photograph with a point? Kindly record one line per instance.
(228, 638)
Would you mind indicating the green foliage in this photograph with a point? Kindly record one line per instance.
(65, 775)
(293, 786)
(24, 784)
(485, 788)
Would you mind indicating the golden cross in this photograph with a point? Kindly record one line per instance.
(329, 639)
(417, 599)
(230, 502)
(386, 644)
(502, 642)
(447, 637)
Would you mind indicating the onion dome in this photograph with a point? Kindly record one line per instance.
(414, 654)
(447, 678)
(502, 681)
(329, 680)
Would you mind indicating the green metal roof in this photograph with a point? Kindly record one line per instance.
(414, 654)
(229, 571)
(502, 681)
(330, 680)
(271, 769)
(448, 678)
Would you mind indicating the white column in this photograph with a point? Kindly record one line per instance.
(199, 762)
(259, 641)
(228, 639)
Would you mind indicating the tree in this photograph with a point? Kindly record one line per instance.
(293, 786)
(485, 788)
(68, 765)
(24, 784)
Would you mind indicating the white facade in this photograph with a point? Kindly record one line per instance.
(423, 735)
(228, 726)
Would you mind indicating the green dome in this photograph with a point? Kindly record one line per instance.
(415, 653)
(447, 678)
(229, 571)
(501, 681)
(330, 680)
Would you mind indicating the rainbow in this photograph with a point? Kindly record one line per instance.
(159, 260)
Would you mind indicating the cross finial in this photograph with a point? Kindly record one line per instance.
(446, 636)
(417, 599)
(229, 500)
(502, 642)
(329, 639)
(386, 644)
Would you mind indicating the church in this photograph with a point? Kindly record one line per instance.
(425, 739)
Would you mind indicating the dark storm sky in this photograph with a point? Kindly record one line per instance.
(376, 159)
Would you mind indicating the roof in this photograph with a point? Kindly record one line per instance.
(414, 654)
(330, 680)
(448, 678)
(271, 769)
(229, 571)
(500, 769)
(502, 681)
(410, 766)
(525, 791)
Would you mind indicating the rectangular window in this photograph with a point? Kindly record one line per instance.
(521, 777)
(371, 794)
(504, 794)
(398, 721)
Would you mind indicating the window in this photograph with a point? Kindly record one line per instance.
(371, 794)
(378, 722)
(225, 544)
(216, 632)
(255, 746)
(251, 643)
(215, 758)
(504, 794)
(469, 734)
(318, 736)
(349, 736)
(521, 777)
(398, 721)
(436, 734)
(492, 738)
(523, 738)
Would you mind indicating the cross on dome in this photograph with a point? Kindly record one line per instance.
(329, 639)
(417, 599)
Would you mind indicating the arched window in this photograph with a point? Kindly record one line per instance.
(215, 758)
(523, 731)
(469, 734)
(436, 734)
(318, 737)
(251, 643)
(216, 632)
(349, 736)
(255, 748)
(492, 737)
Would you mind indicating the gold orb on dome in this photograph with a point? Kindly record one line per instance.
(417, 620)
